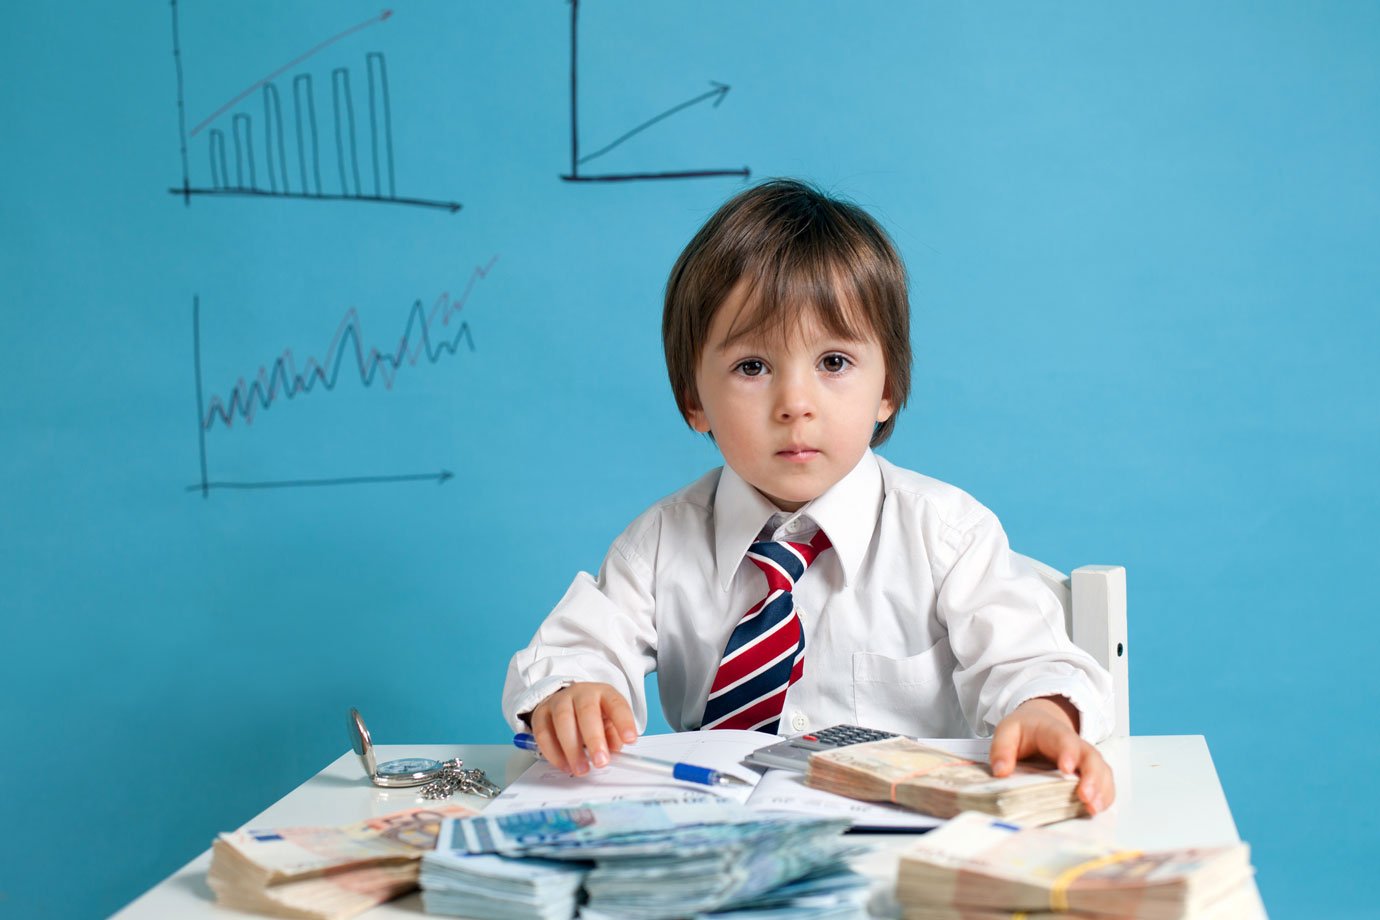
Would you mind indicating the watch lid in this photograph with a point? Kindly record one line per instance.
(360, 741)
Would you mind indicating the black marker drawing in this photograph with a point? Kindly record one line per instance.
(234, 162)
(423, 337)
(576, 160)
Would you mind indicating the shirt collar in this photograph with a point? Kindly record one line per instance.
(847, 513)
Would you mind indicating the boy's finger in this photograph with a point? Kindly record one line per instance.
(617, 710)
(547, 744)
(1098, 788)
(1064, 749)
(1090, 783)
(590, 718)
(1006, 745)
(611, 735)
(568, 734)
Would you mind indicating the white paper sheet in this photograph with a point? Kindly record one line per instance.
(543, 786)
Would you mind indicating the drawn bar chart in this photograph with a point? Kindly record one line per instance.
(424, 338)
(255, 155)
(577, 160)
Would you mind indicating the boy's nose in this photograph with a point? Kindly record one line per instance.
(794, 401)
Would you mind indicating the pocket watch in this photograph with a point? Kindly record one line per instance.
(406, 771)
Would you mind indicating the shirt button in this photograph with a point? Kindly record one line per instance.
(793, 525)
(798, 721)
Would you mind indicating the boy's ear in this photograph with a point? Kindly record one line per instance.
(885, 411)
(694, 414)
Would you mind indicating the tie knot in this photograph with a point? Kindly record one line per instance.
(784, 561)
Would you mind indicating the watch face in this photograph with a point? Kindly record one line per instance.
(408, 766)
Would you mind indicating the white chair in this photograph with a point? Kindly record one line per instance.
(1094, 602)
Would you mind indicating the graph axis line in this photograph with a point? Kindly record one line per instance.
(200, 400)
(441, 477)
(451, 206)
(683, 174)
(181, 105)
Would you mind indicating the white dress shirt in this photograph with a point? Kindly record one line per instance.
(920, 620)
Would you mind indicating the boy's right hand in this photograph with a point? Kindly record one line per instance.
(584, 717)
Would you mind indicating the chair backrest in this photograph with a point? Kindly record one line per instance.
(1094, 602)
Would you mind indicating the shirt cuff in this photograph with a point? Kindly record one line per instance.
(530, 698)
(1093, 722)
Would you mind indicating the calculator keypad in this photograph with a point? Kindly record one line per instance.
(840, 736)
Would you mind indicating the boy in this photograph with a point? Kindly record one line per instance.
(890, 599)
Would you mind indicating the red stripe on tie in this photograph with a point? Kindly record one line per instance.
(777, 580)
(785, 637)
(798, 671)
(812, 549)
(769, 707)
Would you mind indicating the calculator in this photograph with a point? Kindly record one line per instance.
(794, 753)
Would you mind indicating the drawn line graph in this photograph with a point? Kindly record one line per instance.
(287, 381)
(272, 152)
(576, 160)
(423, 337)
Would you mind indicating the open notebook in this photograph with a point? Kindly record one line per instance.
(543, 786)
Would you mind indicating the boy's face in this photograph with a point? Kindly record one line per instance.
(793, 415)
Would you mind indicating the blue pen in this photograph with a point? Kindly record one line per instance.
(687, 771)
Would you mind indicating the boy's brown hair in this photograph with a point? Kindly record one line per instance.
(800, 249)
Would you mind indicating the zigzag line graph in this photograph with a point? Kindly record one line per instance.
(422, 338)
(283, 379)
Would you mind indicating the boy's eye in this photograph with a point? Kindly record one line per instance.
(751, 367)
(834, 363)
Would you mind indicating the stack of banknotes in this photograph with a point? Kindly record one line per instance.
(938, 783)
(978, 868)
(325, 872)
(485, 886)
(642, 859)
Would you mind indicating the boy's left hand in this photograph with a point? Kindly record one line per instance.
(1048, 727)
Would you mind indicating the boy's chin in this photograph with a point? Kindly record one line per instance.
(791, 499)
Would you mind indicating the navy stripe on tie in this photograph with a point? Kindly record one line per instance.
(767, 618)
(769, 681)
(782, 556)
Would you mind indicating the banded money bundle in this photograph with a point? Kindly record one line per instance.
(935, 782)
(979, 868)
(492, 887)
(324, 872)
(1234, 905)
(677, 859)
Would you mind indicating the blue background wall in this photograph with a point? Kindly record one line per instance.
(1145, 248)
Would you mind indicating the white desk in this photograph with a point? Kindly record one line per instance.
(1168, 795)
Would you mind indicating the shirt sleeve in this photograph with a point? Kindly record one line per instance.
(1006, 629)
(602, 630)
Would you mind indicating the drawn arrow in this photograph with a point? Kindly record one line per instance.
(717, 94)
(289, 65)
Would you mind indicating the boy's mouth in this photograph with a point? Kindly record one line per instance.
(798, 454)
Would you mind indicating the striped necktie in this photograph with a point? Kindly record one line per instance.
(766, 652)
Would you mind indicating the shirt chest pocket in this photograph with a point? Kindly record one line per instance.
(903, 694)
